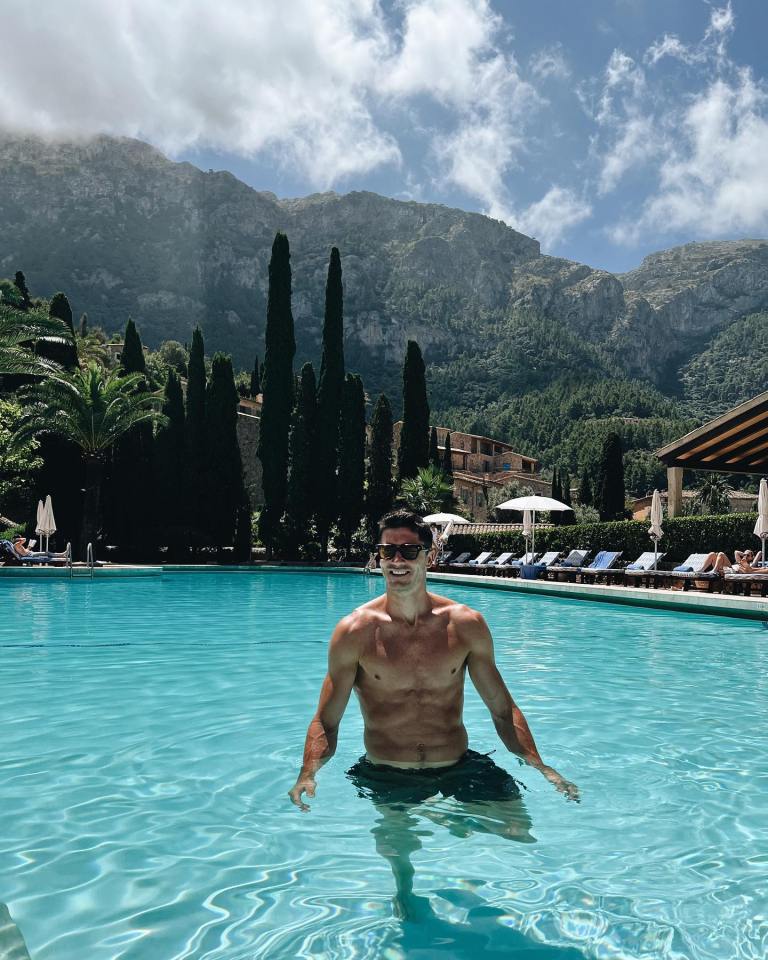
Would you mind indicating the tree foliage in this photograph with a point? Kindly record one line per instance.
(299, 503)
(351, 459)
(277, 390)
(379, 487)
(329, 403)
(414, 436)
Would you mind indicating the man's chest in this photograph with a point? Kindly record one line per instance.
(413, 659)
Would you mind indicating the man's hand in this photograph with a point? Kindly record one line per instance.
(303, 785)
(569, 790)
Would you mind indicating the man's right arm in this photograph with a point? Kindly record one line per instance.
(322, 734)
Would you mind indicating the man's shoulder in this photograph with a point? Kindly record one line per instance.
(362, 618)
(459, 613)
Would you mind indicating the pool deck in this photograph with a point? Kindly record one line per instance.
(692, 601)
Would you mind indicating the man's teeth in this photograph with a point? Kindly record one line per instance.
(399, 573)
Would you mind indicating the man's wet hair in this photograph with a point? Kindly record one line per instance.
(398, 519)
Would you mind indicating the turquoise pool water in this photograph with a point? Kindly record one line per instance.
(151, 729)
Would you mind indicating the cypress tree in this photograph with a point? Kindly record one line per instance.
(255, 379)
(196, 382)
(19, 281)
(585, 495)
(610, 493)
(130, 506)
(434, 456)
(414, 436)
(448, 459)
(352, 459)
(170, 466)
(380, 489)
(132, 355)
(277, 391)
(84, 325)
(557, 494)
(567, 517)
(61, 353)
(300, 493)
(329, 401)
(226, 488)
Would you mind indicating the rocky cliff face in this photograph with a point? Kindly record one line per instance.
(124, 231)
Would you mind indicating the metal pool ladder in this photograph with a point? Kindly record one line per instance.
(88, 560)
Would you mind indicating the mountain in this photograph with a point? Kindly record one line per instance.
(126, 232)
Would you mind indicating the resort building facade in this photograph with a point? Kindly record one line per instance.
(481, 464)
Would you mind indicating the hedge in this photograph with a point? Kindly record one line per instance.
(682, 536)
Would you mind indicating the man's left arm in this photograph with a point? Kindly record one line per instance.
(508, 718)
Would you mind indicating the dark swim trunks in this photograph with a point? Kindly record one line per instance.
(474, 777)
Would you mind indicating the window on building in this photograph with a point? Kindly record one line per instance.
(479, 499)
(465, 494)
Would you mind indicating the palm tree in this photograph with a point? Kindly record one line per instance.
(713, 494)
(427, 492)
(92, 408)
(19, 331)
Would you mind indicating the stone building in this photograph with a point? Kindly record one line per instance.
(480, 464)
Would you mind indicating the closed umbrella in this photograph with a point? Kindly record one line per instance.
(761, 527)
(49, 524)
(532, 503)
(40, 519)
(527, 527)
(655, 532)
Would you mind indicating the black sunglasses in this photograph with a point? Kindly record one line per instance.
(408, 551)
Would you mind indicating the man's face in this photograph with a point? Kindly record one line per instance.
(401, 574)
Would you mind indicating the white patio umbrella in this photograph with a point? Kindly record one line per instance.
(532, 503)
(655, 532)
(445, 521)
(442, 518)
(40, 519)
(48, 526)
(761, 527)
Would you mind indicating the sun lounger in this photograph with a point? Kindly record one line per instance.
(568, 568)
(459, 560)
(744, 582)
(493, 565)
(14, 559)
(690, 570)
(643, 571)
(604, 565)
(481, 558)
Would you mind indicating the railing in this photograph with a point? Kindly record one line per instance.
(69, 558)
(89, 558)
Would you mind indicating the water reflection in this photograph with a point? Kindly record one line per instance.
(12, 946)
(398, 832)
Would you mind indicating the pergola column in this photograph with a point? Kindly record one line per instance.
(674, 491)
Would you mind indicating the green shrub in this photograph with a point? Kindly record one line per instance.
(682, 536)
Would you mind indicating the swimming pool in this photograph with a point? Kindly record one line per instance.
(151, 729)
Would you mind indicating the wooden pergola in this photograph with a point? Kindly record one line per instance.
(735, 442)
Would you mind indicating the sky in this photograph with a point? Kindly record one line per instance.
(607, 129)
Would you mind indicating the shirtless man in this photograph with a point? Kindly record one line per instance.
(405, 654)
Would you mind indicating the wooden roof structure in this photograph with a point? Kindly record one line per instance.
(735, 442)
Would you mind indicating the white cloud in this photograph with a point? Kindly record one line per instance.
(637, 142)
(240, 76)
(550, 63)
(550, 218)
(715, 181)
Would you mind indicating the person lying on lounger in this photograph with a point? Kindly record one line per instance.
(22, 551)
(719, 563)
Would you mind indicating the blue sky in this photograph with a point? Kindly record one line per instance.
(605, 128)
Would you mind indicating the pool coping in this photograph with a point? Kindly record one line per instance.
(715, 604)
